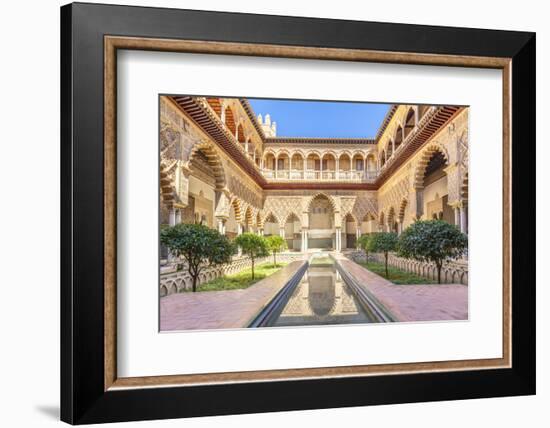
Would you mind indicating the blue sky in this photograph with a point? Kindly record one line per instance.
(323, 119)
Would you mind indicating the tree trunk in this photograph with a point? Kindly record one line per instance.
(274, 258)
(386, 257)
(194, 283)
(438, 266)
(252, 260)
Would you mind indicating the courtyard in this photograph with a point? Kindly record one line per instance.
(314, 218)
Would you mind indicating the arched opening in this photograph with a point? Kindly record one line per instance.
(344, 166)
(329, 166)
(392, 221)
(321, 223)
(358, 163)
(368, 224)
(401, 215)
(201, 189)
(283, 165)
(248, 220)
(313, 166)
(435, 190)
(389, 150)
(398, 138)
(240, 135)
(251, 149)
(382, 158)
(370, 166)
(271, 225)
(349, 227)
(230, 120)
(232, 223)
(409, 123)
(297, 164)
(215, 104)
(293, 229)
(269, 165)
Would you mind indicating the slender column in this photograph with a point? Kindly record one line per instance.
(276, 166)
(457, 218)
(178, 216)
(463, 220)
(282, 232)
(221, 226)
(239, 232)
(321, 169)
(305, 168)
(305, 240)
(337, 168)
(172, 217)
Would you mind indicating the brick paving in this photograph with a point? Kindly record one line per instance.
(222, 309)
(423, 302)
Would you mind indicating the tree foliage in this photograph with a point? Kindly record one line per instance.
(253, 245)
(276, 244)
(199, 245)
(432, 241)
(364, 242)
(383, 242)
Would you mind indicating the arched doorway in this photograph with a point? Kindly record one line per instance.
(271, 225)
(349, 228)
(321, 223)
(293, 229)
(435, 193)
(202, 186)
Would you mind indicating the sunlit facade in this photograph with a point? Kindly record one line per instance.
(224, 166)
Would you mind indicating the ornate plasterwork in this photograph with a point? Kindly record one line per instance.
(181, 140)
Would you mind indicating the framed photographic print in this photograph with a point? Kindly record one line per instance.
(265, 213)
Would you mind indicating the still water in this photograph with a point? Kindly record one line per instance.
(321, 298)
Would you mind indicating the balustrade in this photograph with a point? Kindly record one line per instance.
(317, 175)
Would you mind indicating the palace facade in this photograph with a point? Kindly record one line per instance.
(222, 165)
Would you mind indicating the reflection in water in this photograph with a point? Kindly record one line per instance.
(322, 298)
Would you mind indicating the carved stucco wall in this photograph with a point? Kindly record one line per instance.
(398, 194)
(180, 139)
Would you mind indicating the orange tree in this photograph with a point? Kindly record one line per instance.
(383, 242)
(254, 246)
(432, 241)
(199, 245)
(275, 244)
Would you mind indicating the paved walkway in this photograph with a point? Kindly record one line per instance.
(414, 302)
(222, 309)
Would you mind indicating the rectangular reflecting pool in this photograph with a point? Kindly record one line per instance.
(322, 298)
